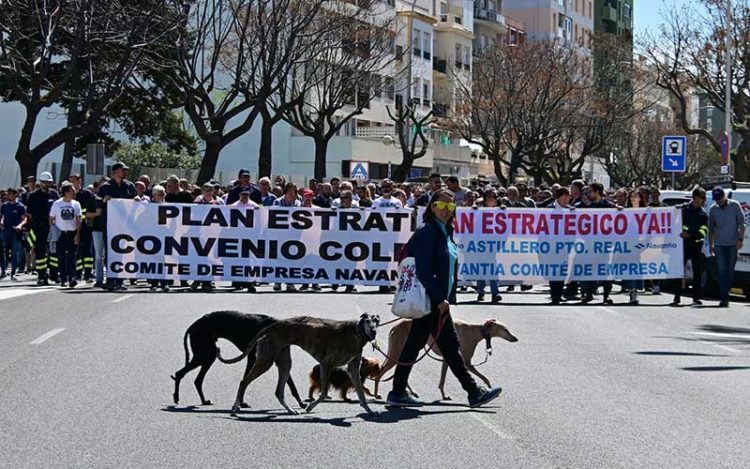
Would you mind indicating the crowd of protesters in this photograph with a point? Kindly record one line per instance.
(58, 232)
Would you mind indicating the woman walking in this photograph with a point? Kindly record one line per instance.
(436, 258)
(635, 200)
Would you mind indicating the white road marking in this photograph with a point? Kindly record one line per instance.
(122, 298)
(609, 310)
(491, 427)
(46, 336)
(16, 292)
(723, 347)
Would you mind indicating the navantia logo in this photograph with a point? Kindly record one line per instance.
(640, 246)
(643, 246)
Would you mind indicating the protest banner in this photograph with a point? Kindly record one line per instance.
(539, 245)
(274, 244)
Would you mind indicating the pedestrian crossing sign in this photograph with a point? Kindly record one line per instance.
(359, 170)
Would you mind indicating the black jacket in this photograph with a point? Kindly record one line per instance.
(429, 246)
(695, 222)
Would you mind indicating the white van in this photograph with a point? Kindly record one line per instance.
(742, 269)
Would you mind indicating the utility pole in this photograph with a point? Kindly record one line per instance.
(728, 90)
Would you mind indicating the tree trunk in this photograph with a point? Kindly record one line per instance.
(498, 169)
(208, 164)
(265, 154)
(401, 172)
(741, 171)
(27, 161)
(69, 148)
(321, 150)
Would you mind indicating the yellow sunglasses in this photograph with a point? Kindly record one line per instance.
(443, 205)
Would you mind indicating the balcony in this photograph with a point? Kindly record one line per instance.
(491, 16)
(374, 133)
(609, 13)
(439, 65)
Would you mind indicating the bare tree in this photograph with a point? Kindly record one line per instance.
(77, 53)
(414, 147)
(689, 54)
(231, 56)
(523, 106)
(350, 64)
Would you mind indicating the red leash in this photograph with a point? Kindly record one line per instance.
(375, 346)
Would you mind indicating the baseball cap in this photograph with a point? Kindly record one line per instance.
(46, 177)
(717, 193)
(31, 178)
(119, 165)
(242, 173)
(245, 190)
(307, 192)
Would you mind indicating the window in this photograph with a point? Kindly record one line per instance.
(426, 93)
(467, 57)
(415, 89)
(459, 54)
(427, 45)
(627, 10)
(390, 88)
(377, 85)
(416, 42)
(444, 11)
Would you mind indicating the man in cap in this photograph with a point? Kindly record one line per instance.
(244, 184)
(39, 203)
(726, 231)
(118, 187)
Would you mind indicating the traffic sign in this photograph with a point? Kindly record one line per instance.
(674, 154)
(359, 170)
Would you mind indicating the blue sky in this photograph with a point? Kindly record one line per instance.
(647, 15)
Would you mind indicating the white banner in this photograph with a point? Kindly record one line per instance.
(291, 245)
(539, 245)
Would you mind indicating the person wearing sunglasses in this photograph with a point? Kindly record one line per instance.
(436, 258)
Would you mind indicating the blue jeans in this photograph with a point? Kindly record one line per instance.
(98, 237)
(11, 246)
(494, 289)
(632, 284)
(726, 258)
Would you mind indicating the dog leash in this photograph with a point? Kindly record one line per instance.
(487, 353)
(441, 323)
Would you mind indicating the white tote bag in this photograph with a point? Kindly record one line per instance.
(410, 300)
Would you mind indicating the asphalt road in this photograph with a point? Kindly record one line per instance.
(85, 381)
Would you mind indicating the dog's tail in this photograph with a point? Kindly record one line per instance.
(249, 347)
(184, 346)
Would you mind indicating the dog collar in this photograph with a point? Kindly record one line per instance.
(485, 331)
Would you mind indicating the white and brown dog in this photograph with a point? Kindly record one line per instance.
(469, 336)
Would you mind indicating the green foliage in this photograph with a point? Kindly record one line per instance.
(155, 155)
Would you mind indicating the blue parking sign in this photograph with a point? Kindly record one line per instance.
(674, 154)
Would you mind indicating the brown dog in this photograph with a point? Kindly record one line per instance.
(339, 379)
(469, 335)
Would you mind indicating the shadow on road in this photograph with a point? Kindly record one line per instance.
(677, 354)
(715, 368)
(724, 329)
(390, 415)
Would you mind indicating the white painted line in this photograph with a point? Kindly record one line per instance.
(609, 310)
(492, 427)
(721, 334)
(122, 298)
(46, 336)
(722, 347)
(16, 292)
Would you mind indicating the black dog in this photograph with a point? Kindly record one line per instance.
(238, 328)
